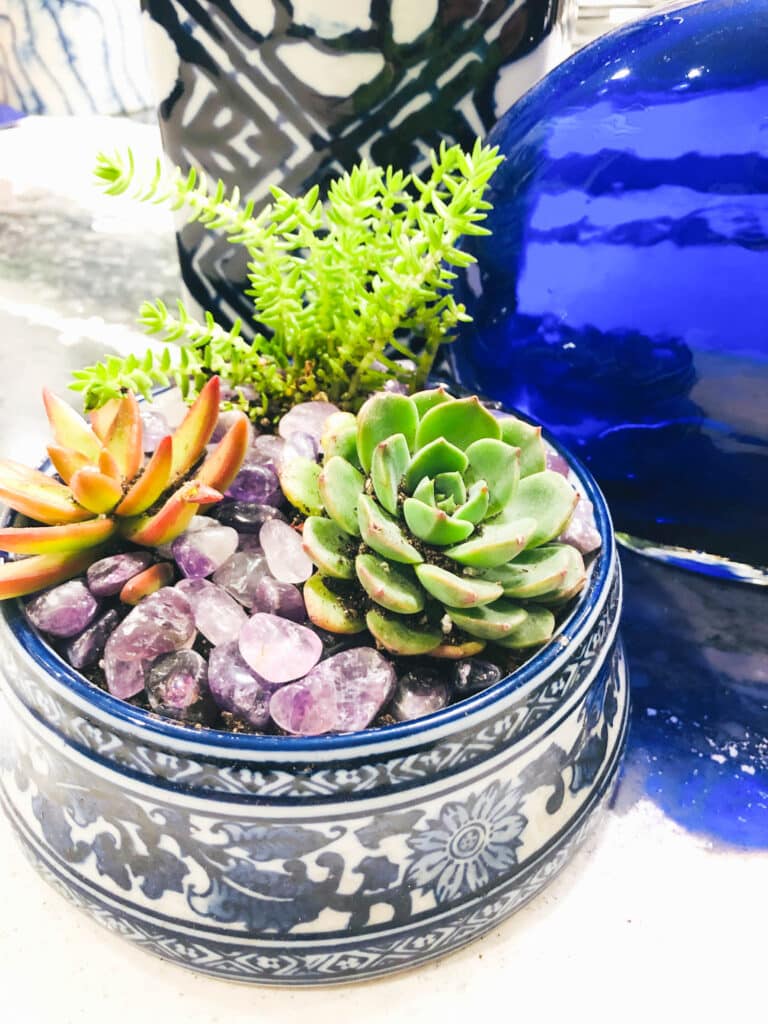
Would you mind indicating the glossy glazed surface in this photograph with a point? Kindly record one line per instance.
(622, 297)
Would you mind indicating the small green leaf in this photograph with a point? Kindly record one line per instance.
(475, 507)
(450, 485)
(329, 547)
(522, 435)
(536, 629)
(489, 622)
(389, 586)
(461, 422)
(383, 533)
(498, 464)
(456, 591)
(494, 545)
(433, 525)
(546, 497)
(382, 416)
(425, 491)
(299, 482)
(329, 610)
(573, 581)
(388, 466)
(399, 636)
(439, 456)
(340, 486)
(426, 400)
(533, 573)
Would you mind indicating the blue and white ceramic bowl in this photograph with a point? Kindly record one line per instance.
(311, 861)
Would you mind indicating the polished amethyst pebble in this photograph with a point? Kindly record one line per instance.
(125, 679)
(64, 610)
(278, 649)
(418, 694)
(217, 615)
(256, 482)
(160, 623)
(250, 542)
(306, 418)
(241, 574)
(341, 694)
(245, 516)
(268, 449)
(154, 428)
(582, 531)
(87, 648)
(278, 598)
(299, 446)
(109, 575)
(236, 687)
(474, 675)
(556, 462)
(199, 554)
(176, 685)
(285, 554)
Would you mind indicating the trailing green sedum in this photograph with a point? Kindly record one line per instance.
(431, 523)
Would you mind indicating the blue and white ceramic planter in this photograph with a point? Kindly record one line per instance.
(311, 861)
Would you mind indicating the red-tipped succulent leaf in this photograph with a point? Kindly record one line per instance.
(124, 440)
(38, 496)
(95, 491)
(147, 582)
(195, 431)
(66, 461)
(222, 466)
(151, 484)
(28, 575)
(69, 428)
(50, 540)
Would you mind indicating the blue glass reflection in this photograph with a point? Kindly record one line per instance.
(623, 297)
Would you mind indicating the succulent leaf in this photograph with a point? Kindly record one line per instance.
(548, 499)
(497, 544)
(70, 430)
(384, 534)
(445, 520)
(426, 400)
(108, 465)
(124, 438)
(38, 496)
(381, 416)
(148, 488)
(388, 585)
(457, 591)
(489, 622)
(330, 611)
(66, 461)
(461, 422)
(195, 431)
(103, 417)
(147, 582)
(498, 465)
(340, 486)
(28, 575)
(475, 508)
(329, 547)
(53, 540)
(340, 437)
(95, 491)
(536, 629)
(388, 465)
(299, 480)
(439, 456)
(397, 635)
(433, 525)
(522, 435)
(172, 519)
(533, 573)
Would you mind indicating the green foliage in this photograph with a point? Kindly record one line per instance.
(444, 547)
(346, 295)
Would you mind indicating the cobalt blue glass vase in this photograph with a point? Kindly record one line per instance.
(622, 299)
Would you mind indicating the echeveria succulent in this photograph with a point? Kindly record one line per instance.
(105, 489)
(432, 523)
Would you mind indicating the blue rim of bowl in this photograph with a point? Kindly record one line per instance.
(417, 729)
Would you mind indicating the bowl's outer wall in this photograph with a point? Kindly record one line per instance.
(322, 860)
(339, 875)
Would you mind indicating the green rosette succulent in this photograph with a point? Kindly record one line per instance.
(432, 524)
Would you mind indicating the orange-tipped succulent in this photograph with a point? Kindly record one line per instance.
(107, 489)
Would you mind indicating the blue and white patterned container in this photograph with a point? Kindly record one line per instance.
(67, 57)
(311, 861)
